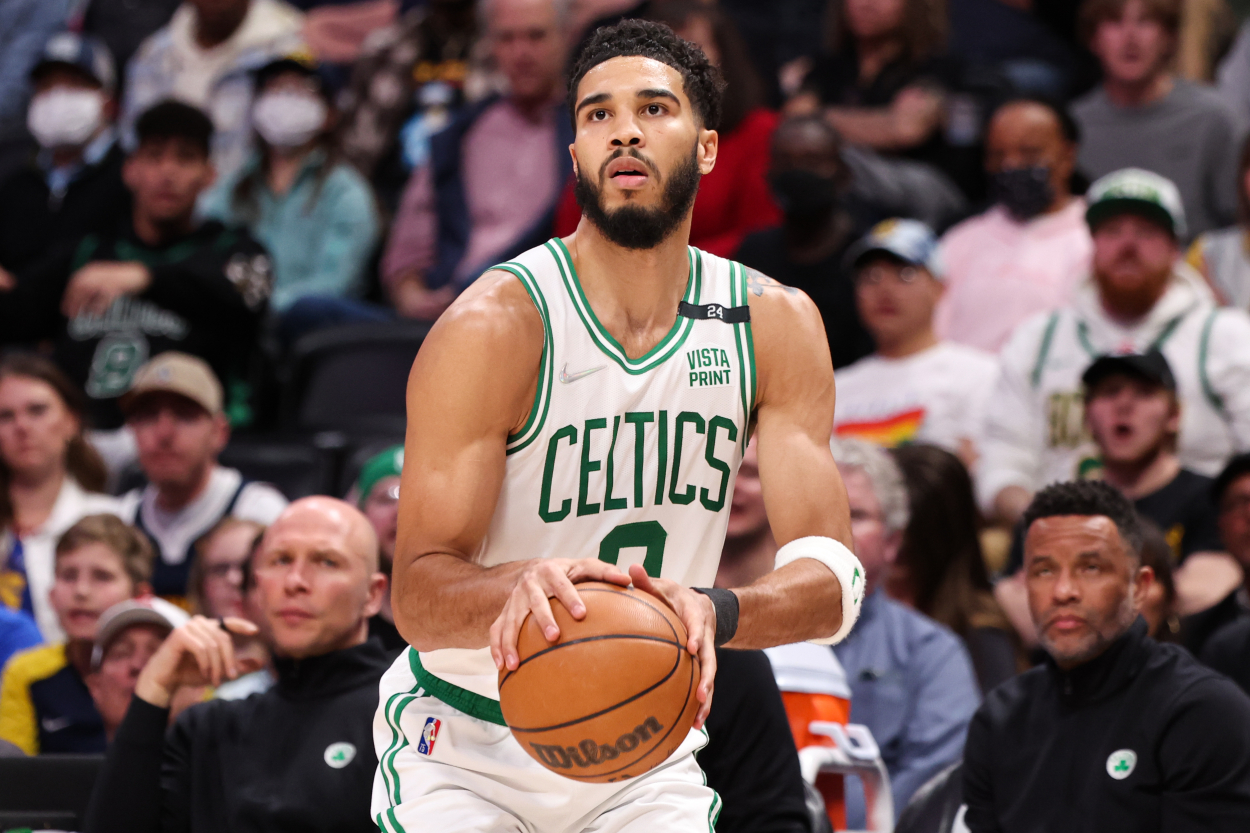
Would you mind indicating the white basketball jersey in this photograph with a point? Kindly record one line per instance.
(631, 461)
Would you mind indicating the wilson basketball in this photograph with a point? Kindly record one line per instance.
(613, 697)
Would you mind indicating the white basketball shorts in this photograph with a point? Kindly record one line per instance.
(443, 769)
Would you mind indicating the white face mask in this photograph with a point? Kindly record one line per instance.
(65, 117)
(287, 119)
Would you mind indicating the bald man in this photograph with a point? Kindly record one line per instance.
(298, 757)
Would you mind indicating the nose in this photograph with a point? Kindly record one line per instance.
(627, 132)
(1065, 589)
(295, 581)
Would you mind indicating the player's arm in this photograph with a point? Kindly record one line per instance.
(472, 385)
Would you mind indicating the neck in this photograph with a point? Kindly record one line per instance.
(284, 166)
(633, 292)
(1139, 478)
(68, 157)
(1130, 308)
(875, 53)
(746, 557)
(1138, 93)
(217, 29)
(156, 232)
(534, 107)
(1061, 202)
(172, 497)
(78, 652)
(33, 496)
(908, 344)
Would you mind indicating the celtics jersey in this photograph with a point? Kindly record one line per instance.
(629, 460)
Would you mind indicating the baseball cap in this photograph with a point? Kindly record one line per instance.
(1150, 366)
(1134, 191)
(147, 611)
(82, 52)
(388, 463)
(911, 241)
(180, 373)
(301, 62)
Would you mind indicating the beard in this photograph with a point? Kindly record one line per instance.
(634, 226)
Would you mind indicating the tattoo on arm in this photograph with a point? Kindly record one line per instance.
(757, 282)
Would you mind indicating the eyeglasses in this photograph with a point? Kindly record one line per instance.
(876, 275)
(220, 571)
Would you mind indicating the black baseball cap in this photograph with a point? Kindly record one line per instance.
(1237, 468)
(1150, 366)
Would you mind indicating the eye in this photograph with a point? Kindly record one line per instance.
(598, 115)
(655, 109)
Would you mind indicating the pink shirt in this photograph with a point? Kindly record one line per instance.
(999, 271)
(509, 167)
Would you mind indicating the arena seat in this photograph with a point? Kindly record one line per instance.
(351, 378)
(297, 468)
(47, 791)
(938, 806)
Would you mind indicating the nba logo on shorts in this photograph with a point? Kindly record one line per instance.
(429, 734)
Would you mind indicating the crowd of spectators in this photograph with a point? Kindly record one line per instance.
(1026, 227)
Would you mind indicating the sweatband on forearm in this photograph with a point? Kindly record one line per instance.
(725, 603)
(843, 564)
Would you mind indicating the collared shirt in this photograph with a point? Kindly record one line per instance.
(60, 178)
(913, 686)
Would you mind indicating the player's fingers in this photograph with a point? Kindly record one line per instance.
(496, 637)
(592, 569)
(563, 589)
(707, 682)
(510, 627)
(540, 607)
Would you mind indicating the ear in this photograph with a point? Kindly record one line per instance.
(1142, 582)
(1174, 420)
(709, 143)
(222, 426)
(129, 177)
(210, 175)
(142, 589)
(379, 586)
(891, 545)
(573, 156)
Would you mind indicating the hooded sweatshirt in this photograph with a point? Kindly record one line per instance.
(1035, 431)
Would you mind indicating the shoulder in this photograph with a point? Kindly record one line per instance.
(128, 505)
(1092, 103)
(969, 232)
(1005, 701)
(30, 666)
(1228, 647)
(923, 636)
(776, 305)
(260, 502)
(1026, 340)
(495, 319)
(1202, 100)
(968, 359)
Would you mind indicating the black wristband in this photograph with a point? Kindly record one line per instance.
(725, 603)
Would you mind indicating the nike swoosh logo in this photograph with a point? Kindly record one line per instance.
(567, 377)
(55, 724)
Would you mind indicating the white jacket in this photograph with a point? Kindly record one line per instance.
(39, 548)
(1035, 430)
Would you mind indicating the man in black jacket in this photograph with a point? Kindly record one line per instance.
(299, 757)
(159, 280)
(1115, 731)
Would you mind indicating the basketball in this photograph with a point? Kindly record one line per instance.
(613, 697)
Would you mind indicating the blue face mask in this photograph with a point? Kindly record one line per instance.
(1024, 192)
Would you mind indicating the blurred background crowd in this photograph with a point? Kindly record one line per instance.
(227, 225)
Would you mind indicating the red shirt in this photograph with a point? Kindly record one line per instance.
(734, 198)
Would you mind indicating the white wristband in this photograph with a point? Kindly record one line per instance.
(843, 564)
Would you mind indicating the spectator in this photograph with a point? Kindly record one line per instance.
(806, 251)
(1221, 256)
(1159, 606)
(45, 705)
(123, 25)
(1135, 735)
(733, 199)
(174, 409)
(162, 280)
(812, 683)
(314, 214)
(215, 580)
(28, 25)
(912, 683)
(914, 388)
(1143, 116)
(205, 57)
(940, 570)
(17, 633)
(884, 84)
(129, 634)
(50, 477)
(377, 494)
(299, 756)
(494, 175)
(1227, 648)
(1139, 296)
(410, 79)
(1028, 252)
(74, 186)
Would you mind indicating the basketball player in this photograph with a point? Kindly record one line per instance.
(584, 407)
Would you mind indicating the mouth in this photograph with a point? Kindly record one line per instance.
(1066, 624)
(294, 616)
(1122, 431)
(627, 172)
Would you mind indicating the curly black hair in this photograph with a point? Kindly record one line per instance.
(1088, 497)
(702, 81)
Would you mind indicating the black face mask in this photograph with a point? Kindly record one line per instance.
(803, 193)
(1024, 192)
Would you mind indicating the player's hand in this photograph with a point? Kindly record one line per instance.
(199, 653)
(542, 579)
(699, 616)
(94, 287)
